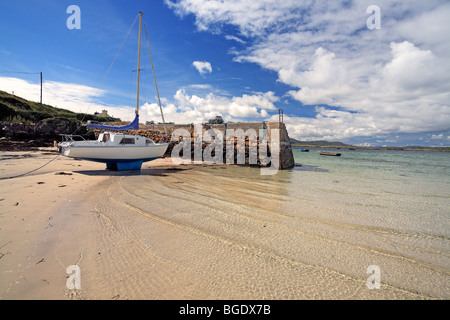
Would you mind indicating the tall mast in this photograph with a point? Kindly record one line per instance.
(139, 62)
(154, 77)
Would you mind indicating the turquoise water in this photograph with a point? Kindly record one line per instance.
(386, 164)
(309, 232)
(398, 189)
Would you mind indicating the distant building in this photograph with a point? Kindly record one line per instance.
(104, 114)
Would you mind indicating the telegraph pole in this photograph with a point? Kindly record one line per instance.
(41, 87)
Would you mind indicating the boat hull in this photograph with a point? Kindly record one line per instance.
(117, 157)
(116, 153)
(330, 154)
(124, 166)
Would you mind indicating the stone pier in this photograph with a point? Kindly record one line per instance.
(259, 139)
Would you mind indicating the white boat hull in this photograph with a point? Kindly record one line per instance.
(118, 151)
(115, 153)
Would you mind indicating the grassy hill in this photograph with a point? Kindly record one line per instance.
(17, 109)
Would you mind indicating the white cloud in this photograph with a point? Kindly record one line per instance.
(252, 17)
(70, 96)
(330, 125)
(234, 38)
(5, 52)
(387, 81)
(202, 67)
(195, 109)
(201, 86)
(392, 80)
(185, 108)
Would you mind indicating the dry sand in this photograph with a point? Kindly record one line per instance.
(41, 232)
(172, 239)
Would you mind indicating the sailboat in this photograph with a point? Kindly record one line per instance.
(118, 150)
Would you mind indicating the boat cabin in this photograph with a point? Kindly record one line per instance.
(117, 138)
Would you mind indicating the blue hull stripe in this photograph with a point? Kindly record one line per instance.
(117, 160)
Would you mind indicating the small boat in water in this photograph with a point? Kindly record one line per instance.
(329, 154)
(304, 150)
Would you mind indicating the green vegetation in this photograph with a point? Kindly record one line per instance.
(17, 109)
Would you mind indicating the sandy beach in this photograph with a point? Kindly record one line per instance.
(195, 232)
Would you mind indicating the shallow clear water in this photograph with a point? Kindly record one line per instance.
(310, 232)
(412, 186)
(382, 164)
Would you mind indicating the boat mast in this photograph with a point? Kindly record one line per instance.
(139, 62)
(156, 85)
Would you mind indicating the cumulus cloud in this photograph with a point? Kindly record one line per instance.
(202, 67)
(330, 125)
(392, 80)
(252, 17)
(70, 96)
(183, 108)
(188, 108)
(359, 82)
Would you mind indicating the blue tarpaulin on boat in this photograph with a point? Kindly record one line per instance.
(134, 125)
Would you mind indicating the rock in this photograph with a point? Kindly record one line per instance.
(43, 133)
(63, 173)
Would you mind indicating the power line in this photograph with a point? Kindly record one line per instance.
(7, 71)
(20, 72)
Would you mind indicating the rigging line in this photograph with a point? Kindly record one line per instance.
(109, 69)
(6, 71)
(156, 85)
(23, 174)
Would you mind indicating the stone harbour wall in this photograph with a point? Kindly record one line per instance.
(46, 132)
(261, 147)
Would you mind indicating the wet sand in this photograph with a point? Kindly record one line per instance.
(195, 232)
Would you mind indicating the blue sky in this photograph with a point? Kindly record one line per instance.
(334, 78)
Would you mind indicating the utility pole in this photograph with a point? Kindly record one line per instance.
(41, 87)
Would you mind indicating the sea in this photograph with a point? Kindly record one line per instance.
(413, 187)
(324, 229)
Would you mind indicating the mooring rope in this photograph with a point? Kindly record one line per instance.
(23, 174)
